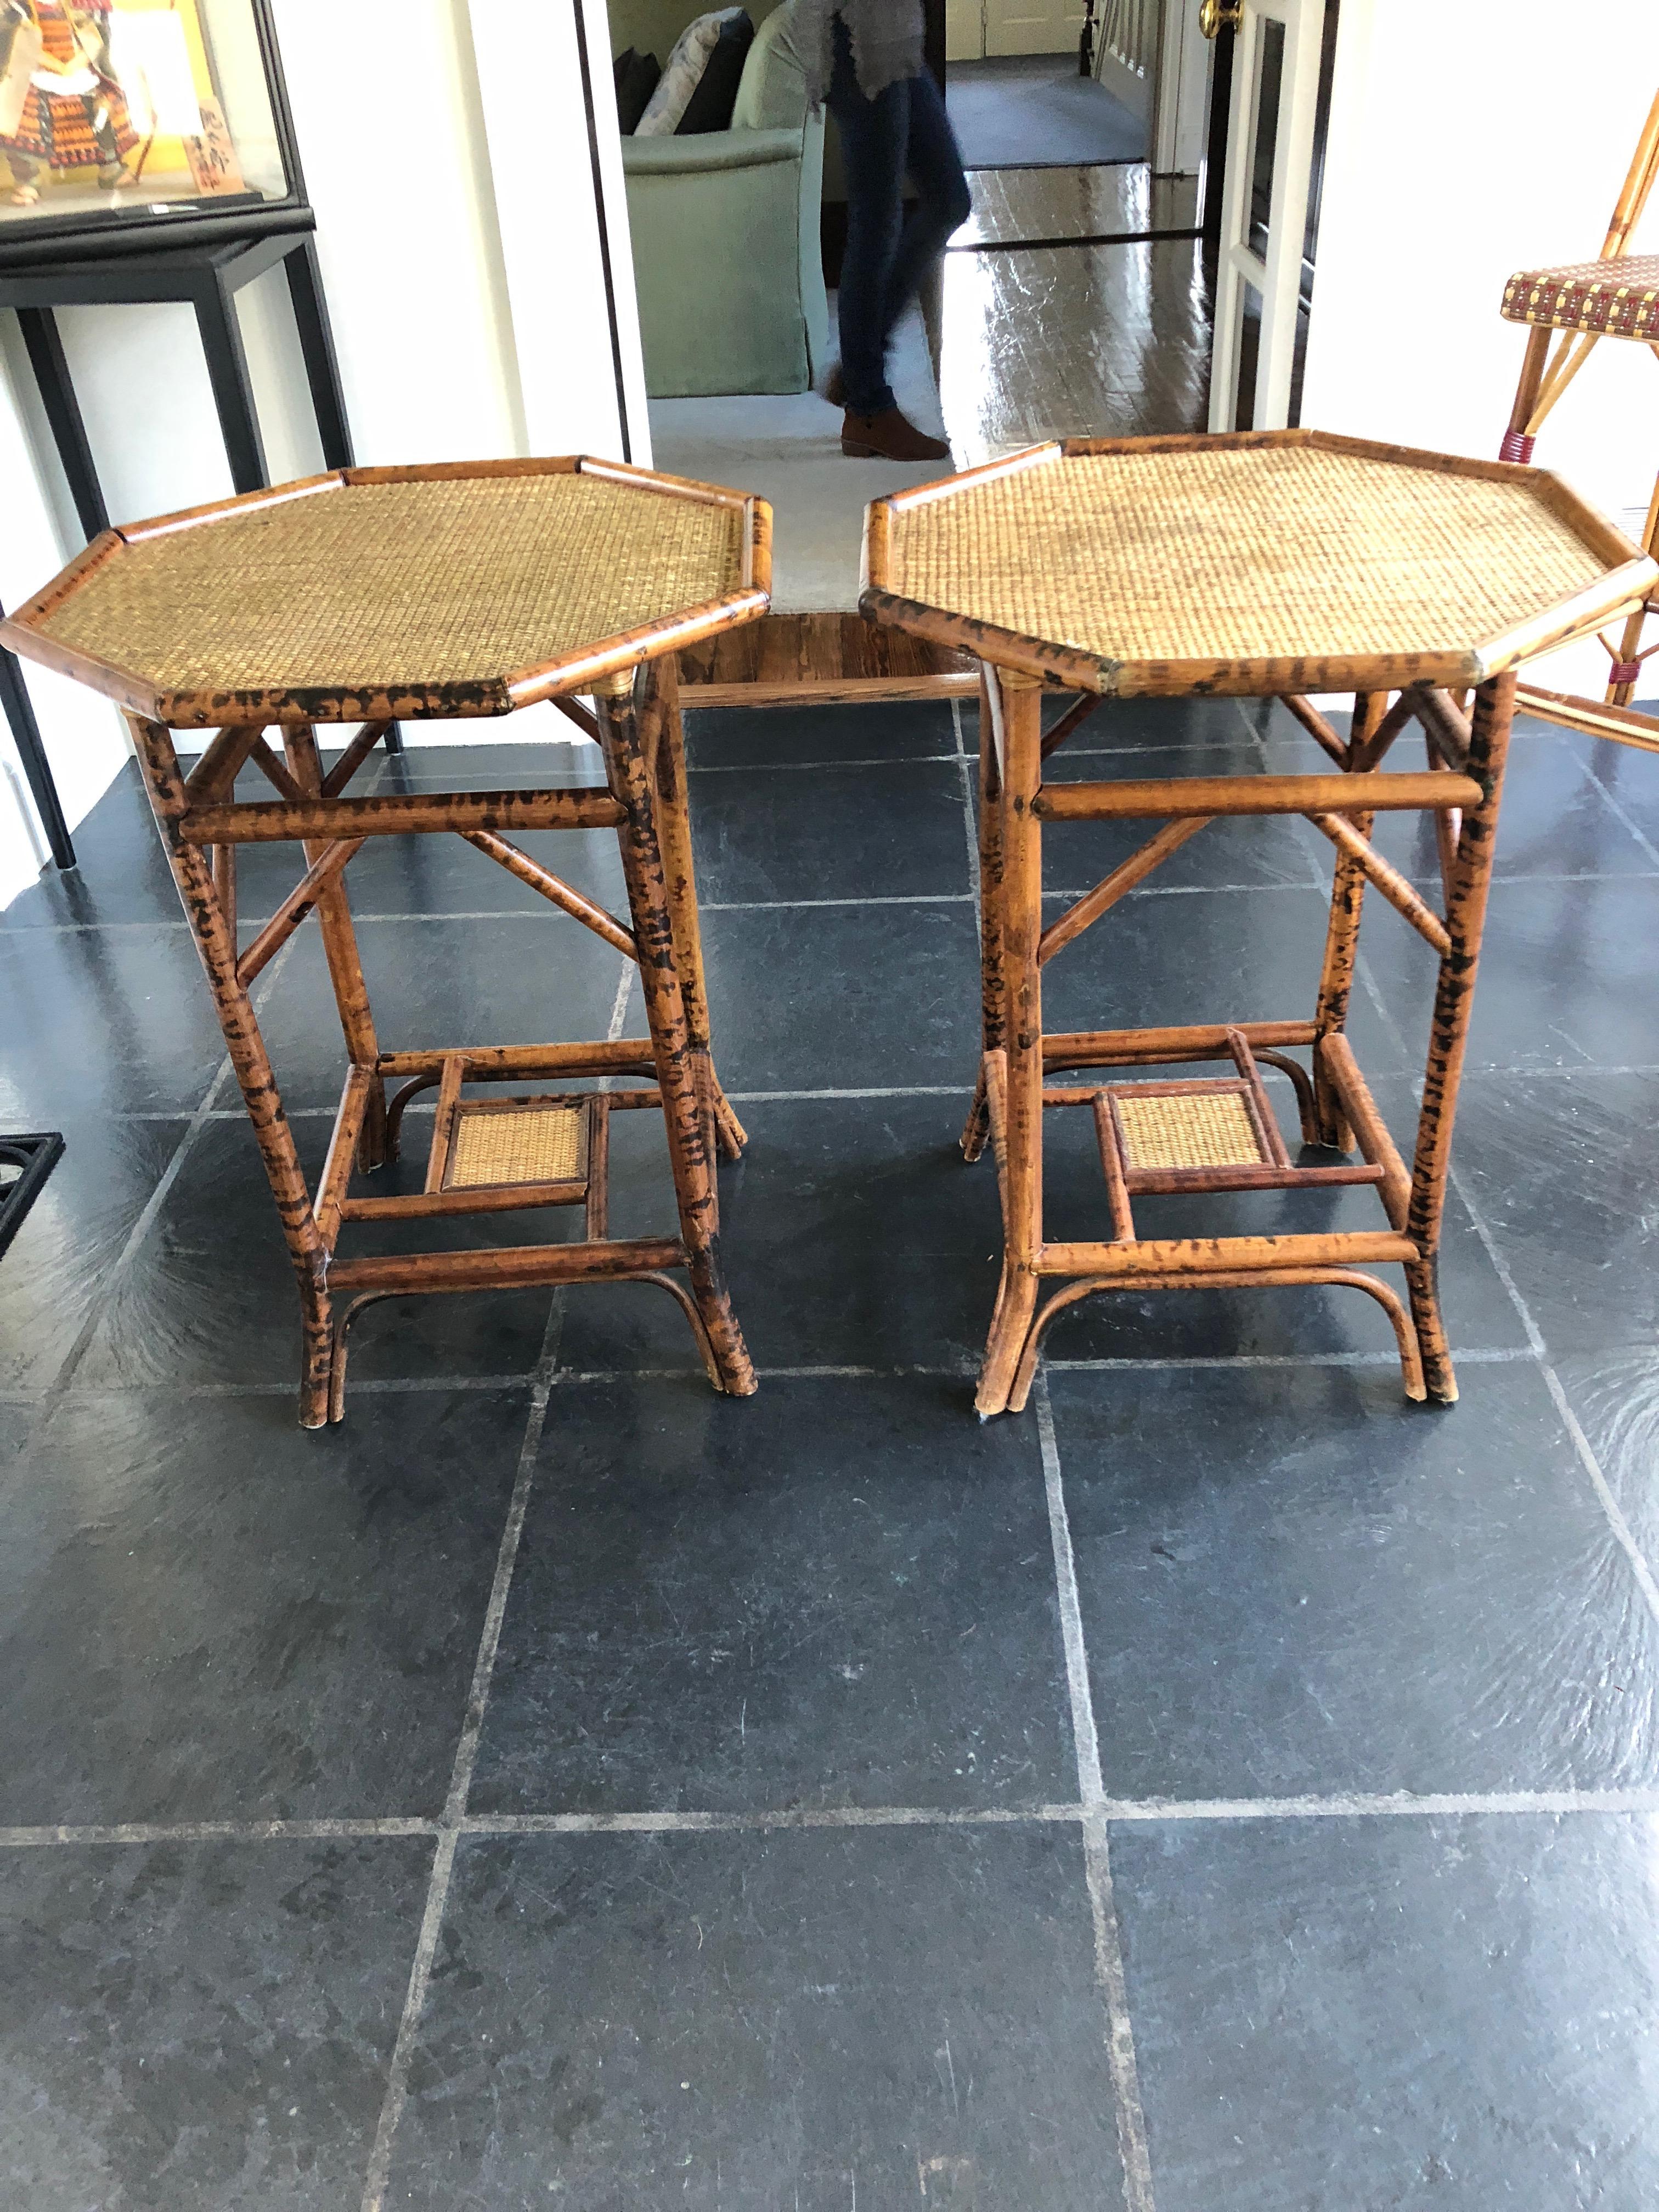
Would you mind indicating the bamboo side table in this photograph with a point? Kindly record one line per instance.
(375, 596)
(1268, 564)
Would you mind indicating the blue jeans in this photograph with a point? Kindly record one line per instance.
(902, 130)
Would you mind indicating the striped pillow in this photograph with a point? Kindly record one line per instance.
(683, 75)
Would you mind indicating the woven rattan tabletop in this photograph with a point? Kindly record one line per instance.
(1273, 561)
(470, 590)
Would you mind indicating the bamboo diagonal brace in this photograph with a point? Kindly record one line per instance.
(1316, 726)
(294, 908)
(1122, 880)
(1388, 880)
(1445, 728)
(555, 890)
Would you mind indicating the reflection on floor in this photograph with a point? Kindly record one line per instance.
(1076, 341)
(1025, 206)
(822, 1799)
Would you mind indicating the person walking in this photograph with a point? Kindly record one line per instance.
(893, 122)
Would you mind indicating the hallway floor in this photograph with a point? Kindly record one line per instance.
(1224, 1786)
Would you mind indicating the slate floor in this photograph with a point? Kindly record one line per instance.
(1224, 1786)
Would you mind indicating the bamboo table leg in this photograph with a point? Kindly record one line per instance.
(345, 966)
(665, 739)
(1454, 1001)
(622, 702)
(993, 991)
(216, 945)
(1016, 903)
(1342, 937)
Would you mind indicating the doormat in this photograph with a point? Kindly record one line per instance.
(1035, 111)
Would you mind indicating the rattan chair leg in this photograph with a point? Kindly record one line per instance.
(1454, 1001)
(690, 1156)
(345, 967)
(992, 994)
(1018, 901)
(1342, 938)
(666, 750)
(193, 873)
(1630, 645)
(1526, 392)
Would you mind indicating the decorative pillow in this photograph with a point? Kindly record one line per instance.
(637, 77)
(680, 79)
(711, 105)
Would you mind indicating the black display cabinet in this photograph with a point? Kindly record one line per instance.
(147, 154)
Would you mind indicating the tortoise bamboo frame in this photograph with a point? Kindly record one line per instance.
(1022, 1069)
(636, 721)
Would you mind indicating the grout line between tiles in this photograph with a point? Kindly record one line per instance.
(1146, 1812)
(377, 2176)
(392, 1385)
(1096, 1851)
(213, 1832)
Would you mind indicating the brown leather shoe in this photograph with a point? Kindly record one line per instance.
(889, 436)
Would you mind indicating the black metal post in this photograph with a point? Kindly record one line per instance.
(304, 287)
(19, 713)
(44, 346)
(233, 392)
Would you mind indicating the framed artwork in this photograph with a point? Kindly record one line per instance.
(131, 121)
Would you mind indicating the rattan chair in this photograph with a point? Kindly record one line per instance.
(380, 595)
(1267, 564)
(1568, 311)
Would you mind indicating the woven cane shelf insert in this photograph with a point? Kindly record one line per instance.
(434, 582)
(1199, 1130)
(540, 1144)
(1248, 553)
(1619, 298)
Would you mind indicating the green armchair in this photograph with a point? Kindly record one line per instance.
(728, 263)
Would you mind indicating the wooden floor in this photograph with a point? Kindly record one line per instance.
(1032, 342)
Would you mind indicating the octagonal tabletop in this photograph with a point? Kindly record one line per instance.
(1255, 564)
(388, 594)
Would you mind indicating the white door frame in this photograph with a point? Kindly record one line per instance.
(1277, 278)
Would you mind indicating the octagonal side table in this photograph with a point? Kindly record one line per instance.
(374, 596)
(1264, 564)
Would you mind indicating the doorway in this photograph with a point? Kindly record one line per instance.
(1076, 300)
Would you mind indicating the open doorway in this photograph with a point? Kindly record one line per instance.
(1077, 301)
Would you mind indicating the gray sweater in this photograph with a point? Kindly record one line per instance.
(887, 41)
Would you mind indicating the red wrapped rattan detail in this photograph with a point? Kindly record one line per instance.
(1616, 298)
(1517, 446)
(1624, 672)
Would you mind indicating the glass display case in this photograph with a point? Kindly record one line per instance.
(137, 122)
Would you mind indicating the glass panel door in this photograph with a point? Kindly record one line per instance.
(1264, 211)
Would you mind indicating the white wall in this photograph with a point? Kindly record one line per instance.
(459, 238)
(1466, 143)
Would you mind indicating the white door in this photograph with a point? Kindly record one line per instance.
(965, 30)
(1032, 26)
(1264, 209)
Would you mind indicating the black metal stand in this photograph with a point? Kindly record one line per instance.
(26, 731)
(25, 1163)
(207, 276)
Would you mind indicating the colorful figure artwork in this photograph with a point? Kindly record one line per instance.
(101, 100)
(73, 112)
